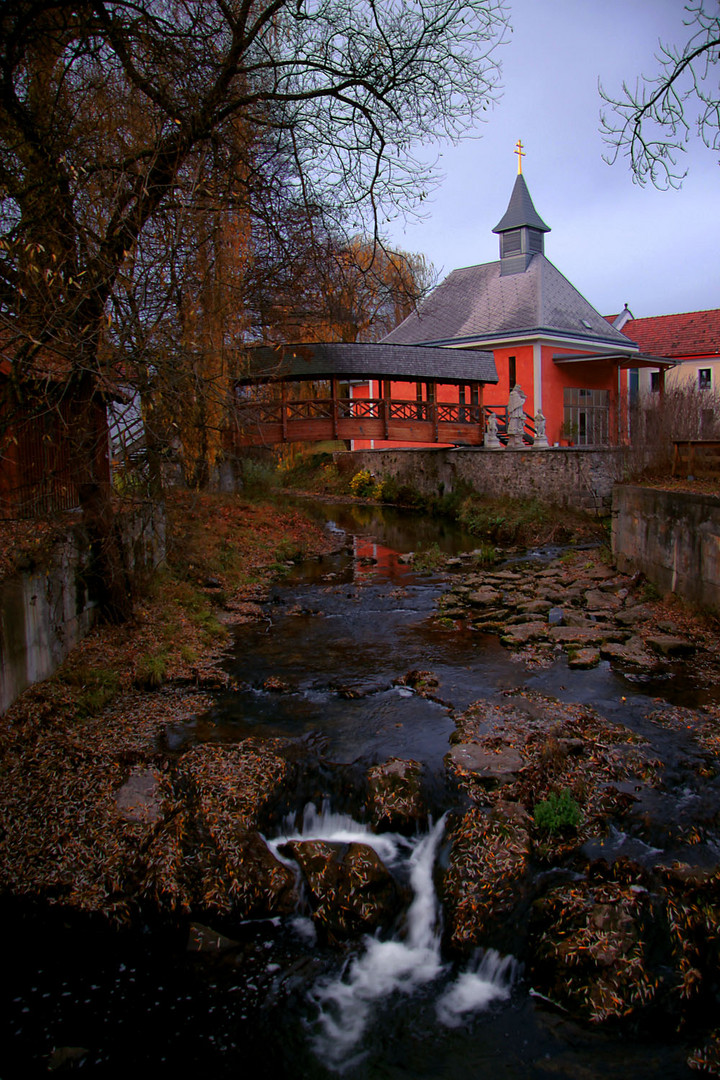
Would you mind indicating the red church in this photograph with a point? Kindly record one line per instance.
(568, 361)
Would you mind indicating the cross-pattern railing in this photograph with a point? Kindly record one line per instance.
(255, 413)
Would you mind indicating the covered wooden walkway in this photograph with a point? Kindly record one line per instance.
(273, 405)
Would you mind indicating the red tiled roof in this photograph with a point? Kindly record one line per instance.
(692, 333)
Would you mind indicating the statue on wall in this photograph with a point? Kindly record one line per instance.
(516, 414)
(490, 439)
(540, 441)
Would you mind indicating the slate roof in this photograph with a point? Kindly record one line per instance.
(477, 304)
(361, 360)
(521, 210)
(692, 333)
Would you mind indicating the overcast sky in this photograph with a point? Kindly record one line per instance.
(659, 251)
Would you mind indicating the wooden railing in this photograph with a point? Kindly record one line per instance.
(377, 418)
(357, 409)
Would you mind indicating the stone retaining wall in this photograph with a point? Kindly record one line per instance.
(46, 610)
(579, 477)
(671, 537)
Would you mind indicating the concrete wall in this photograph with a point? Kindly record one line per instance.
(46, 610)
(671, 537)
(578, 477)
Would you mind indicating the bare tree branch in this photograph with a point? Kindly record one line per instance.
(652, 123)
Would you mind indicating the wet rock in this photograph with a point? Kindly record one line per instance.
(395, 800)
(523, 633)
(535, 607)
(631, 616)
(490, 766)
(448, 611)
(596, 572)
(206, 940)
(597, 600)
(484, 882)
(141, 798)
(667, 645)
(581, 635)
(577, 617)
(422, 682)
(632, 654)
(589, 941)
(349, 889)
(506, 575)
(228, 791)
(483, 597)
(66, 1058)
(276, 685)
(582, 659)
(706, 1058)
(361, 690)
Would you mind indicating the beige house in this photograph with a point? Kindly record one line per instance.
(691, 338)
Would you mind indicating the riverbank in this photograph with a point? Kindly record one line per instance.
(82, 758)
(108, 816)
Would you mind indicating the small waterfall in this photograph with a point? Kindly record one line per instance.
(400, 966)
(324, 824)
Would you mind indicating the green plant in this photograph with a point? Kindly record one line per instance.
(290, 551)
(362, 484)
(96, 687)
(485, 555)
(258, 475)
(649, 591)
(558, 811)
(430, 559)
(151, 670)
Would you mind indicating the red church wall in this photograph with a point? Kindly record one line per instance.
(497, 396)
(593, 375)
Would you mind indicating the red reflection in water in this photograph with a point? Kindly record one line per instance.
(372, 558)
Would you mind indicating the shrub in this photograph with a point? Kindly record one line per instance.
(558, 811)
(363, 484)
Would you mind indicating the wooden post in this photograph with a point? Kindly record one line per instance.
(432, 405)
(477, 398)
(283, 409)
(335, 406)
(385, 394)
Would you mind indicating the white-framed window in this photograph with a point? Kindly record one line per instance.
(655, 382)
(705, 378)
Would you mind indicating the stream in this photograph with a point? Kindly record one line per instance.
(325, 668)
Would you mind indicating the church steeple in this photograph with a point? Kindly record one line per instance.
(521, 229)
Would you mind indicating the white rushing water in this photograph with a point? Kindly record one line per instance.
(401, 965)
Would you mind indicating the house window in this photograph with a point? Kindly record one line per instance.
(655, 382)
(512, 373)
(705, 378)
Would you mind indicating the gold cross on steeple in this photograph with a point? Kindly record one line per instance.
(521, 154)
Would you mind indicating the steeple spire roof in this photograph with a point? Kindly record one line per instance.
(521, 212)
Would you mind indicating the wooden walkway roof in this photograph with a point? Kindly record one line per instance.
(360, 360)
